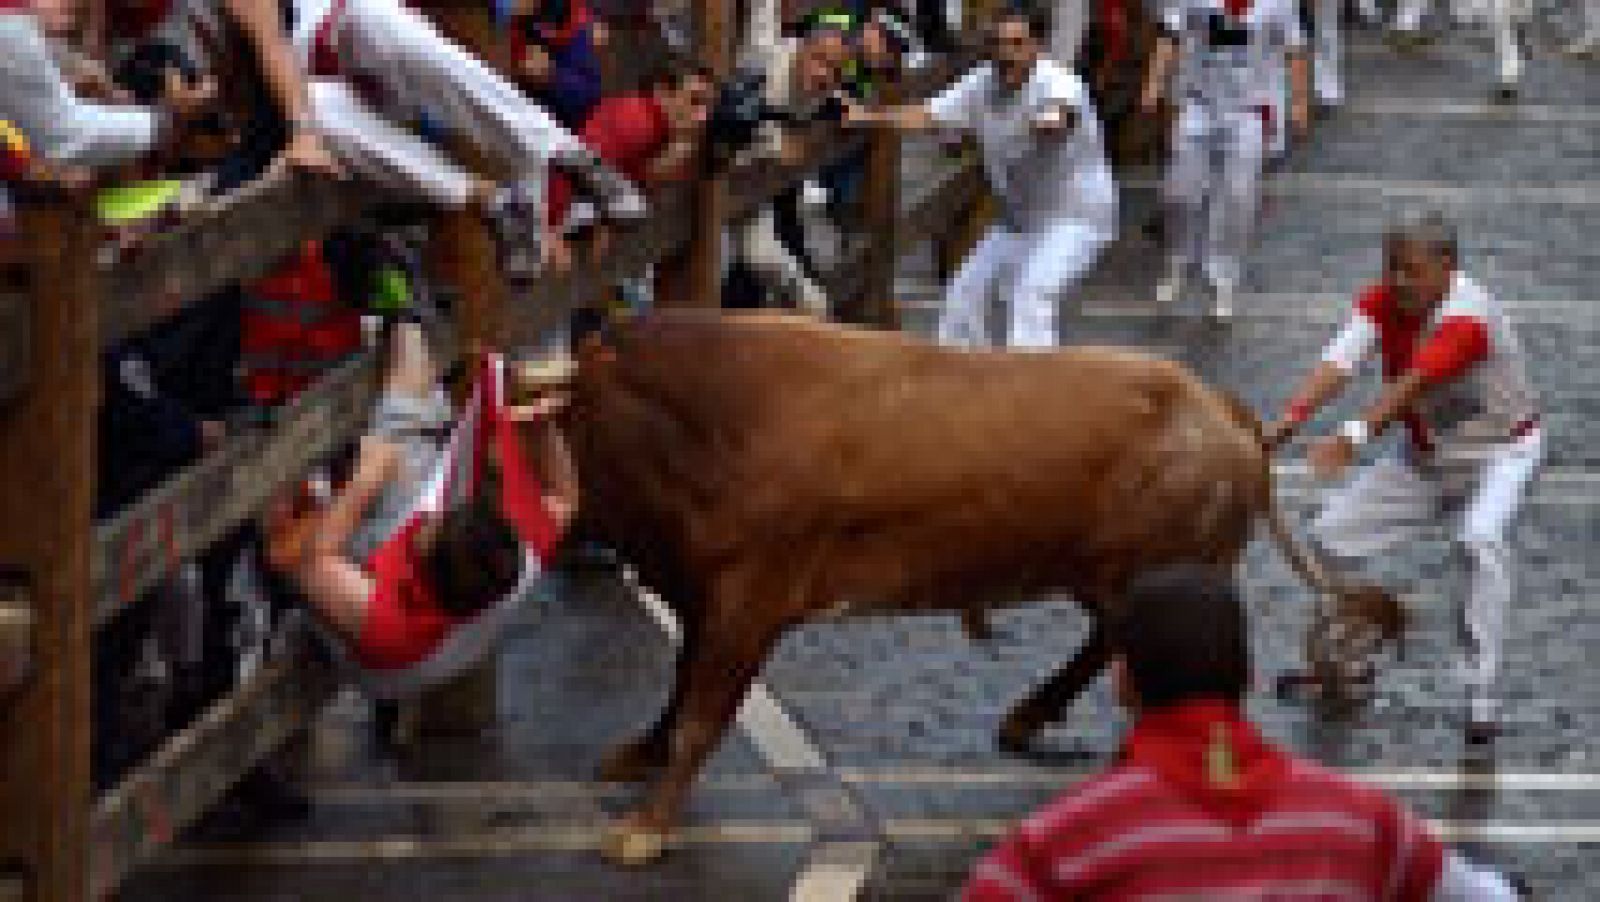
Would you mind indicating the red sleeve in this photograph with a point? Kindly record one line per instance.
(1375, 303)
(1415, 856)
(1457, 344)
(1012, 872)
(558, 197)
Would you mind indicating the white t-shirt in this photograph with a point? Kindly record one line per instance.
(1037, 179)
(1233, 62)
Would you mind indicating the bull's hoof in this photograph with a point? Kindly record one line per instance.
(633, 845)
(1016, 736)
(630, 762)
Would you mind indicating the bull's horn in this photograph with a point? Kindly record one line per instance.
(545, 372)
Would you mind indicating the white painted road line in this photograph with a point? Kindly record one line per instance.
(908, 775)
(837, 871)
(1393, 779)
(1506, 832)
(1443, 108)
(827, 878)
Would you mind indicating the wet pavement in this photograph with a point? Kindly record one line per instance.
(868, 767)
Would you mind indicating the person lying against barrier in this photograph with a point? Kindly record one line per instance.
(421, 558)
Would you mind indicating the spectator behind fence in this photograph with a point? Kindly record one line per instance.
(771, 253)
(651, 136)
(1200, 805)
(553, 54)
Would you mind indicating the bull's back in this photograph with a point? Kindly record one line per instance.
(901, 462)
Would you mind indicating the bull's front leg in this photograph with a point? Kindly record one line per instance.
(715, 680)
(639, 758)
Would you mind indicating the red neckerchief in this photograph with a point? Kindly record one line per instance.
(1236, 8)
(1399, 335)
(16, 6)
(1209, 752)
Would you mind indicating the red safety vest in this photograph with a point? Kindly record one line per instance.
(294, 328)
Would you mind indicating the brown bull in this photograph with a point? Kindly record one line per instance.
(762, 471)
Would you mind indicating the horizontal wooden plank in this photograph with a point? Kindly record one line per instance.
(16, 362)
(238, 238)
(540, 307)
(204, 503)
(193, 769)
(16, 636)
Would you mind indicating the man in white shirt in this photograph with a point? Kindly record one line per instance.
(1505, 19)
(1228, 53)
(1456, 376)
(1046, 166)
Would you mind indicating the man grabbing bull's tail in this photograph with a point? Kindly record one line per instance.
(1456, 376)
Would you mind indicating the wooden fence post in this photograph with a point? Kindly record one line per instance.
(695, 280)
(46, 526)
(880, 218)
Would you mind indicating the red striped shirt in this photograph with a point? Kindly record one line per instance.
(1134, 834)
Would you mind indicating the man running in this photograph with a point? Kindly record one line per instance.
(1230, 56)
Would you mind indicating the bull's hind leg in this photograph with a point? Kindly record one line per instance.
(1049, 699)
(716, 678)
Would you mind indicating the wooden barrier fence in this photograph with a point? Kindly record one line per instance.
(62, 575)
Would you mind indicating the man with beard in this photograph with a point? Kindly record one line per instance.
(1046, 164)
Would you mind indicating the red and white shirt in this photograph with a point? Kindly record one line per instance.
(1478, 388)
(1172, 821)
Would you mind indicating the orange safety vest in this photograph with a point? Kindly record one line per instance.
(294, 328)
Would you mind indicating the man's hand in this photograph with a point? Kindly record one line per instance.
(212, 434)
(187, 102)
(557, 253)
(536, 65)
(1300, 118)
(1150, 99)
(1277, 433)
(1052, 120)
(540, 408)
(1331, 455)
(307, 152)
(858, 115)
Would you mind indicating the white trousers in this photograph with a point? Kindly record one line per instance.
(1031, 270)
(1067, 24)
(1327, 75)
(416, 69)
(1502, 15)
(1392, 501)
(1213, 189)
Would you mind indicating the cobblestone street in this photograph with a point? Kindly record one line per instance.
(865, 764)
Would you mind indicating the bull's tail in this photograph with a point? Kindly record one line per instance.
(1351, 602)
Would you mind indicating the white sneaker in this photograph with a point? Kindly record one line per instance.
(1586, 47)
(1170, 289)
(1222, 293)
(1483, 716)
